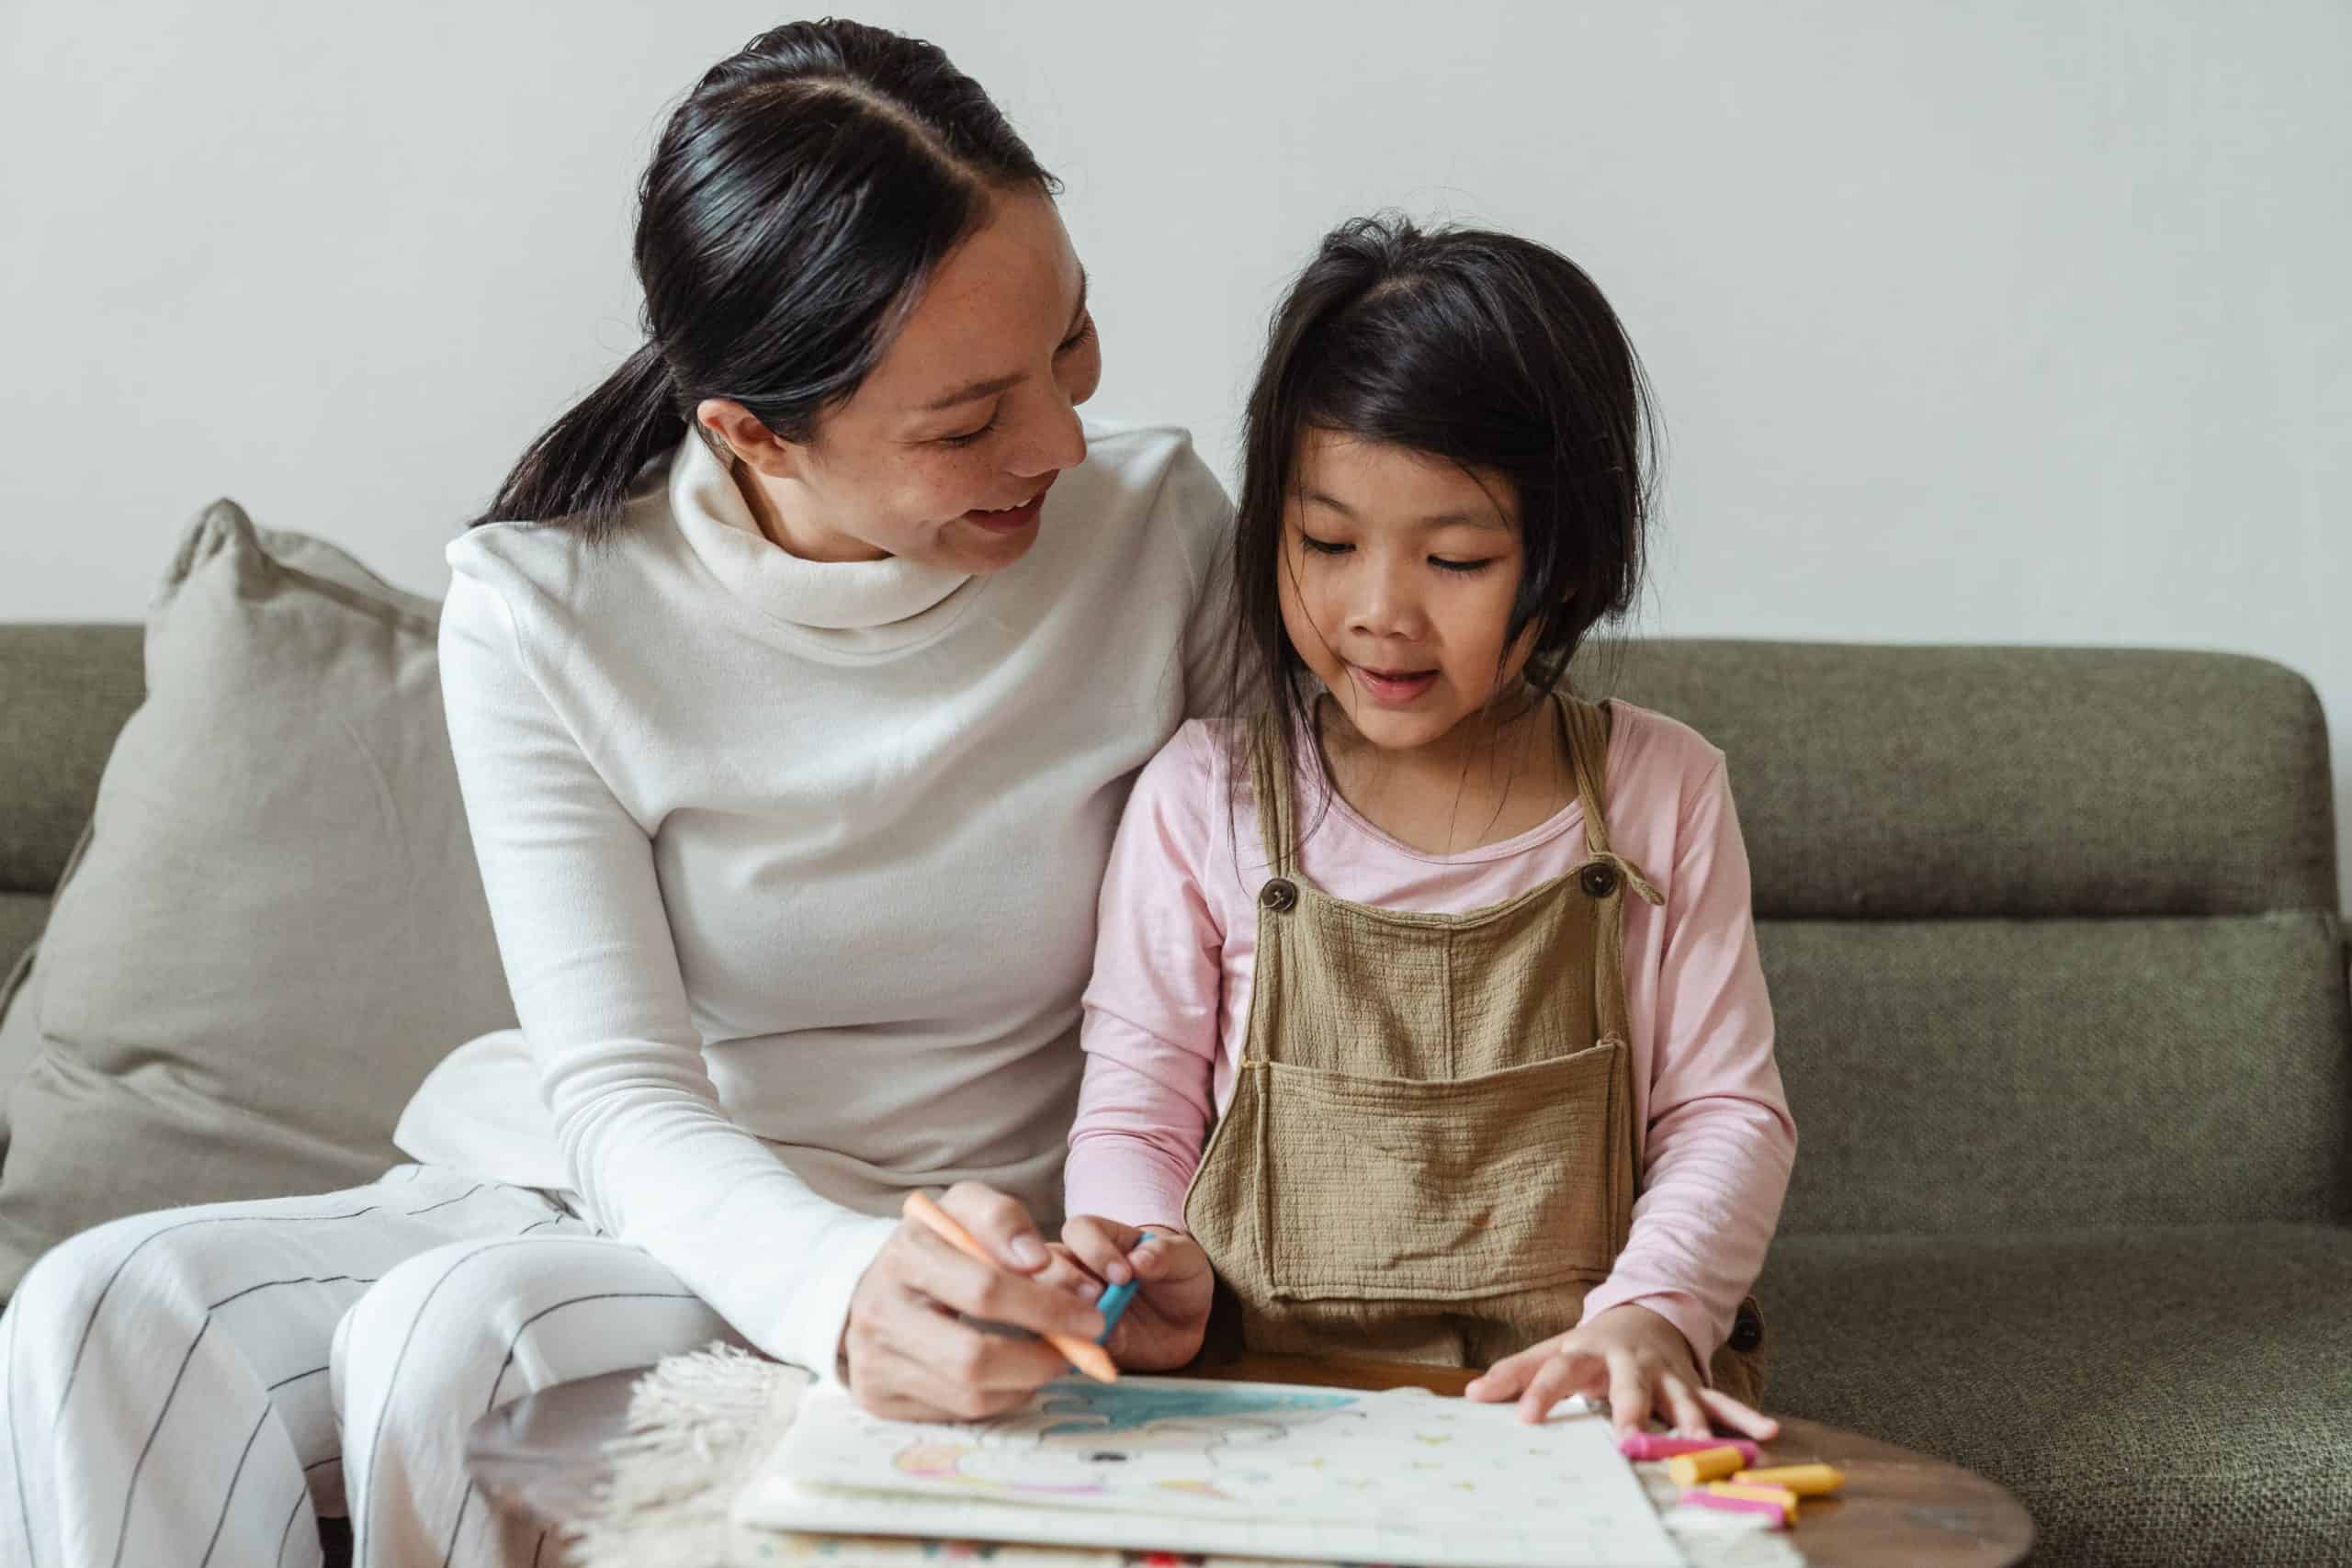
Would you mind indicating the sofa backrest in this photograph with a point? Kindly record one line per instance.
(2052, 933)
(64, 693)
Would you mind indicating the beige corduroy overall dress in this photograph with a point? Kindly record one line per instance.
(1431, 1152)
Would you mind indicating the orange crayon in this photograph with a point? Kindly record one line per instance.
(1708, 1464)
(1092, 1359)
(1805, 1480)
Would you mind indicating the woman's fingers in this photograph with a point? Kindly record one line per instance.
(905, 1387)
(943, 1275)
(998, 1223)
(1745, 1419)
(957, 1360)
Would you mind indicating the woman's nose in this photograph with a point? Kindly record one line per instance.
(1057, 442)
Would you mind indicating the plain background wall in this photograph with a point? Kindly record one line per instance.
(2007, 322)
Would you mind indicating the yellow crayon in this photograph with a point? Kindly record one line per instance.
(1779, 1497)
(1805, 1480)
(1708, 1464)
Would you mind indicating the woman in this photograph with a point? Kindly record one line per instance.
(792, 742)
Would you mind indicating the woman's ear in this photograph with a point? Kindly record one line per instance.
(743, 437)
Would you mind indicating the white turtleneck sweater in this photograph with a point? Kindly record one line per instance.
(794, 865)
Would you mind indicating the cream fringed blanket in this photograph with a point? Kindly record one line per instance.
(700, 1424)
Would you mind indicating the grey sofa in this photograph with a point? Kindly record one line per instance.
(2061, 989)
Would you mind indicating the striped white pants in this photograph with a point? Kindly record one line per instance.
(201, 1385)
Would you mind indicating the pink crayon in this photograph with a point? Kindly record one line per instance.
(1651, 1445)
(1778, 1514)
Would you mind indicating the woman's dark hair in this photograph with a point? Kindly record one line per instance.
(797, 202)
(1478, 348)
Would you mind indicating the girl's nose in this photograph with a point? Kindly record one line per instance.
(1388, 606)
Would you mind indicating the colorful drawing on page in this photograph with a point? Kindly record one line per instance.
(1247, 1469)
(1128, 1444)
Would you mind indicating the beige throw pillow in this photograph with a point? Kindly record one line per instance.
(277, 929)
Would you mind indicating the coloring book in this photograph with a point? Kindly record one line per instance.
(1260, 1469)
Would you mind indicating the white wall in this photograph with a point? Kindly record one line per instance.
(2006, 321)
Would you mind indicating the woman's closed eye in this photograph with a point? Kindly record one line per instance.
(1069, 344)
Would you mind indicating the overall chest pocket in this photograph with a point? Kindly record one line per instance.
(1403, 1190)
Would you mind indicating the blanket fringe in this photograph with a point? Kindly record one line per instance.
(698, 1426)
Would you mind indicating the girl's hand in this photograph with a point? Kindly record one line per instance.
(1635, 1359)
(1162, 1326)
(911, 1358)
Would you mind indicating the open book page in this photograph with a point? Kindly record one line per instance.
(1256, 1469)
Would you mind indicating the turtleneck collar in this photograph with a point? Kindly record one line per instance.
(824, 596)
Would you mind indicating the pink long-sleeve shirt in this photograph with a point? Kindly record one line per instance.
(1169, 1004)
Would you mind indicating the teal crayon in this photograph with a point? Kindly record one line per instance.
(1113, 1300)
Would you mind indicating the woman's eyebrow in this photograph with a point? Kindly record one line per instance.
(973, 391)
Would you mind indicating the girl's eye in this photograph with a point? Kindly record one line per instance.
(968, 437)
(1324, 547)
(1078, 339)
(1462, 568)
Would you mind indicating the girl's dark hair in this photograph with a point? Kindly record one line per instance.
(797, 202)
(1479, 348)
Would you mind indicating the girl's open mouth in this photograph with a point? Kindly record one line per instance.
(1392, 688)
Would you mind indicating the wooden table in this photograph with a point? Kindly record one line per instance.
(540, 1458)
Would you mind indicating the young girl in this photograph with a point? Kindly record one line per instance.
(1460, 966)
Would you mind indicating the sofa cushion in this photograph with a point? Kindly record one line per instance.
(1973, 781)
(20, 1038)
(277, 928)
(1983, 1074)
(2154, 1395)
(64, 692)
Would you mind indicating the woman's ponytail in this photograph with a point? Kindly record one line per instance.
(580, 466)
(798, 198)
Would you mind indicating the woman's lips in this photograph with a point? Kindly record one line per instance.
(1392, 688)
(1012, 519)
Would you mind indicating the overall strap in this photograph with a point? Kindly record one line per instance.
(1270, 784)
(1587, 726)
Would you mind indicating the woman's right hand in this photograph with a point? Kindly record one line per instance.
(911, 1358)
(1163, 1326)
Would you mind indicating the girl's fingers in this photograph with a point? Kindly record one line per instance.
(1682, 1404)
(1160, 1256)
(1064, 1272)
(1508, 1376)
(1745, 1419)
(1103, 1246)
(1562, 1374)
(1629, 1392)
